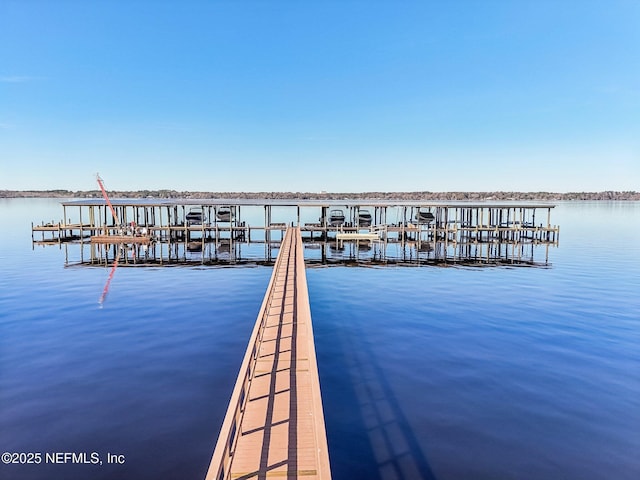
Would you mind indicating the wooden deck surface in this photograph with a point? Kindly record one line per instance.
(274, 426)
(115, 239)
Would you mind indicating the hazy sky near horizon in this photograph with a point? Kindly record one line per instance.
(311, 96)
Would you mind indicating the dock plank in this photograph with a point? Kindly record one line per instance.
(274, 425)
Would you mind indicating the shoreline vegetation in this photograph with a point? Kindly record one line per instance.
(469, 196)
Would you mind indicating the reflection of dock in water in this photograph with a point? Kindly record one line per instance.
(232, 232)
(316, 253)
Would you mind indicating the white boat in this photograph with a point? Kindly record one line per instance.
(195, 216)
(364, 218)
(424, 217)
(336, 217)
(225, 214)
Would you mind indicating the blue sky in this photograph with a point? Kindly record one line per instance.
(311, 96)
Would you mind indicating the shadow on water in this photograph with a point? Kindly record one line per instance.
(369, 435)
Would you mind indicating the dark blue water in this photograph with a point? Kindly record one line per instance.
(433, 373)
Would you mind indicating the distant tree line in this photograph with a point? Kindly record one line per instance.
(417, 196)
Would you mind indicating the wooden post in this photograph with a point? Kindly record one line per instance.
(232, 211)
(455, 225)
(186, 228)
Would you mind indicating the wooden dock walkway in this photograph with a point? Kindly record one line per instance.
(274, 426)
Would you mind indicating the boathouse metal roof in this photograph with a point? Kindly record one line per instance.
(172, 202)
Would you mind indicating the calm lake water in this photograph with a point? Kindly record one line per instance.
(426, 372)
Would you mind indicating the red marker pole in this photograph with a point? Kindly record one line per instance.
(106, 197)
